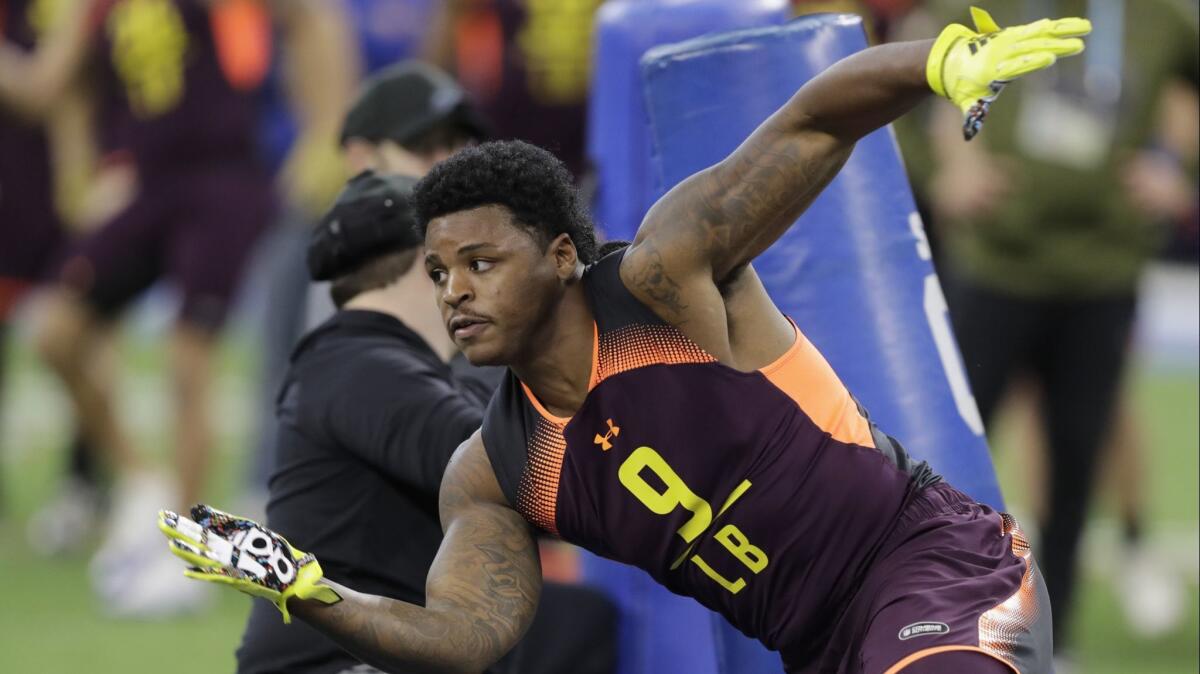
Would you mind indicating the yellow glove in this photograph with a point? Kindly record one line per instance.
(222, 548)
(970, 67)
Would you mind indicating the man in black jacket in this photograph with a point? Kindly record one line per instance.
(368, 416)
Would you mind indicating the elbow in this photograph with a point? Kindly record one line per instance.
(32, 105)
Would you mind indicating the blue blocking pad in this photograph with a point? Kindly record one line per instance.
(618, 139)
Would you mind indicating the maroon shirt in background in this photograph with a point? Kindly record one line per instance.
(539, 92)
(30, 231)
(163, 96)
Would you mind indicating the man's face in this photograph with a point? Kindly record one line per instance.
(495, 284)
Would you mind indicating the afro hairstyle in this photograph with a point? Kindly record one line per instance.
(534, 185)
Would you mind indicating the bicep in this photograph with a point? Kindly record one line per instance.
(487, 569)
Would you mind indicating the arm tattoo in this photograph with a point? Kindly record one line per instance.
(481, 593)
(654, 282)
(742, 206)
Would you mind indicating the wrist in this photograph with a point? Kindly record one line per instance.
(935, 63)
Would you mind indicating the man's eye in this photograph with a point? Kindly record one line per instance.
(437, 275)
(481, 265)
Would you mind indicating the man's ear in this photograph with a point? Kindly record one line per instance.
(566, 258)
(359, 156)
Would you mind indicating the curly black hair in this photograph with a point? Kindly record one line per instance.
(527, 180)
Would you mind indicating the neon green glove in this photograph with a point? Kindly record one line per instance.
(970, 67)
(222, 548)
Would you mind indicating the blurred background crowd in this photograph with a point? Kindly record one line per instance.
(162, 163)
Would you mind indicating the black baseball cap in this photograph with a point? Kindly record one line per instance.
(403, 101)
(372, 216)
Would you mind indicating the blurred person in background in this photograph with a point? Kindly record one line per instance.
(1046, 227)
(43, 168)
(370, 396)
(372, 35)
(1162, 184)
(312, 41)
(528, 63)
(172, 84)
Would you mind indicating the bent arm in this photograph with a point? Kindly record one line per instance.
(481, 593)
(31, 84)
(722, 217)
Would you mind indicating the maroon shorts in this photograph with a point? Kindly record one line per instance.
(195, 229)
(957, 581)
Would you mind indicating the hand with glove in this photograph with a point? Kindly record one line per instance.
(971, 67)
(222, 548)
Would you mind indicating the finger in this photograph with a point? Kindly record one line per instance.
(974, 115)
(1039, 28)
(181, 528)
(1023, 65)
(211, 577)
(219, 520)
(236, 583)
(1056, 46)
(984, 23)
(192, 555)
(1071, 26)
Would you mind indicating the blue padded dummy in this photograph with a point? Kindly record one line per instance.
(618, 140)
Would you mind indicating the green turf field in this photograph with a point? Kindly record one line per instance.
(49, 623)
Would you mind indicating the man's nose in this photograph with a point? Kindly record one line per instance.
(457, 289)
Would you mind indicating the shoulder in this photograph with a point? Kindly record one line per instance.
(507, 427)
(506, 417)
(469, 478)
(613, 302)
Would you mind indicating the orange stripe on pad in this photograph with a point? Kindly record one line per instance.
(807, 378)
(919, 655)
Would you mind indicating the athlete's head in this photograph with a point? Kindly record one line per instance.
(505, 236)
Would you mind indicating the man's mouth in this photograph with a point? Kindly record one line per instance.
(466, 327)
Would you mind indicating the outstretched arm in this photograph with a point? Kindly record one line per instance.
(480, 595)
(722, 217)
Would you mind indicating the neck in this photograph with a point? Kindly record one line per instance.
(412, 303)
(558, 367)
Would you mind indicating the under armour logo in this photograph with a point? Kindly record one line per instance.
(603, 440)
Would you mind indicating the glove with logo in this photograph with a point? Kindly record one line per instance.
(970, 67)
(222, 548)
